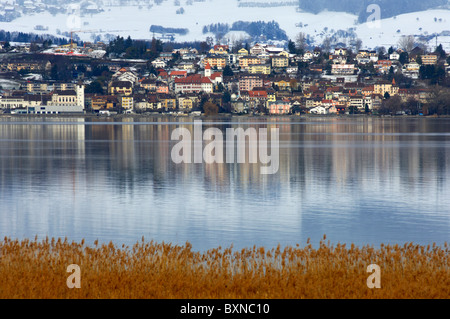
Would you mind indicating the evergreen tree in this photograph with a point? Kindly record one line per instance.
(440, 51)
(404, 58)
(291, 47)
(227, 71)
(94, 87)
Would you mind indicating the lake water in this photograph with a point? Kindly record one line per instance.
(362, 181)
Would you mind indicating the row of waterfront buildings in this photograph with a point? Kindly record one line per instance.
(262, 79)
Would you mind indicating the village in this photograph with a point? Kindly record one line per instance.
(255, 79)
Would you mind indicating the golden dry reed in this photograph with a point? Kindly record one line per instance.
(38, 269)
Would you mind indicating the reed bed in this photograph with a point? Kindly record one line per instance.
(38, 269)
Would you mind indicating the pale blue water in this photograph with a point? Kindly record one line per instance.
(362, 181)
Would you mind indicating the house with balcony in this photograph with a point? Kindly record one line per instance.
(193, 84)
(216, 61)
(120, 87)
(384, 87)
(102, 102)
(257, 49)
(280, 62)
(219, 50)
(279, 107)
(259, 69)
(245, 61)
(125, 74)
(249, 81)
(429, 59)
(343, 69)
(127, 102)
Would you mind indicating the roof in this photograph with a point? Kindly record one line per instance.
(257, 93)
(178, 73)
(66, 92)
(215, 75)
(121, 84)
(36, 97)
(105, 98)
(148, 81)
(193, 79)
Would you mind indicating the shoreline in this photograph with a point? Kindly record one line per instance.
(222, 116)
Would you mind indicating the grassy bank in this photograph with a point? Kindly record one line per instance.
(38, 269)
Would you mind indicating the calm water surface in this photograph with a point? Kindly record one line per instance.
(362, 181)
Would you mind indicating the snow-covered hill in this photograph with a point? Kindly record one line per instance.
(135, 20)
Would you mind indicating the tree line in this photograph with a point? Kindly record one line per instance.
(135, 49)
(8, 36)
(271, 30)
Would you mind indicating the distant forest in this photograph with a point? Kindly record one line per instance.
(271, 30)
(30, 38)
(388, 8)
(163, 30)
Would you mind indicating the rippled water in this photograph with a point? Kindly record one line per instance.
(366, 181)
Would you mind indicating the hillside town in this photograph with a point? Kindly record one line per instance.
(255, 79)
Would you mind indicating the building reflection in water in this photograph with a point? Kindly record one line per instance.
(367, 180)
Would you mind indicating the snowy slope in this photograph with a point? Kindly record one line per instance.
(135, 21)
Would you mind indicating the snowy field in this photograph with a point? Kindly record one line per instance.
(136, 21)
(8, 84)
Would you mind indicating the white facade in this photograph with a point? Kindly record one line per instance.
(347, 69)
(62, 103)
(394, 56)
(9, 102)
(318, 110)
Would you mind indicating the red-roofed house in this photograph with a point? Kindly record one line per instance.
(163, 74)
(219, 49)
(178, 74)
(383, 66)
(193, 84)
(216, 78)
(257, 95)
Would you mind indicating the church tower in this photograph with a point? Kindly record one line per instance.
(207, 70)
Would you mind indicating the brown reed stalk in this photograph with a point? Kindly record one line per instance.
(38, 269)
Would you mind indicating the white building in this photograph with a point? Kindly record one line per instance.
(343, 69)
(318, 110)
(394, 56)
(70, 101)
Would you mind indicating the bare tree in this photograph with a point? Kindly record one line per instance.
(423, 44)
(439, 101)
(219, 36)
(210, 108)
(406, 43)
(326, 45)
(237, 45)
(210, 41)
(358, 45)
(300, 42)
